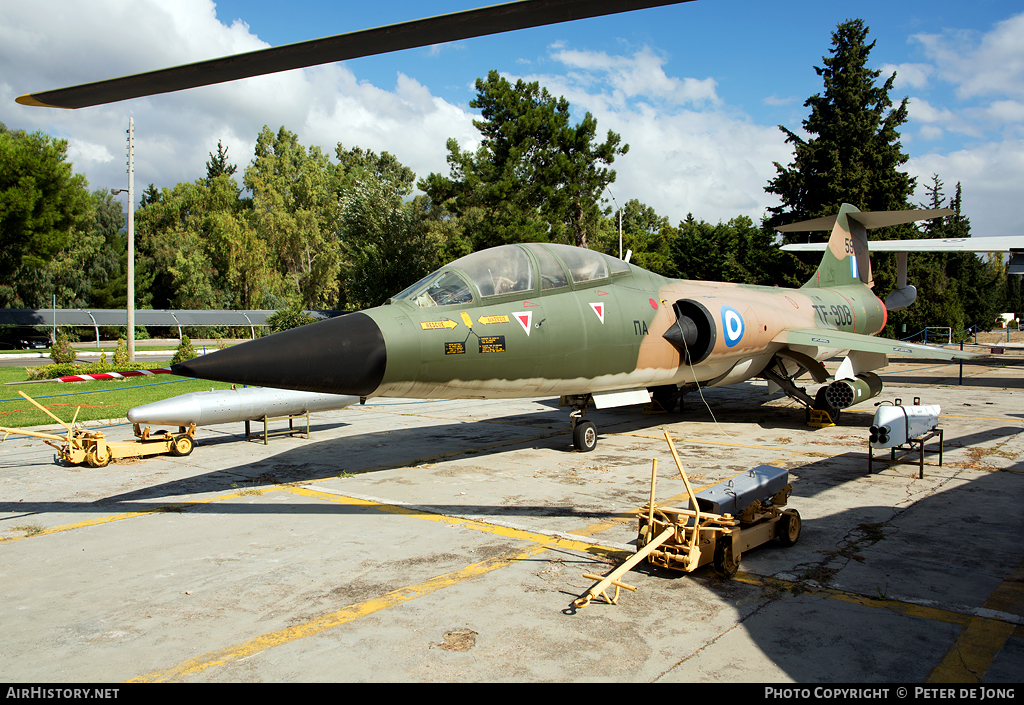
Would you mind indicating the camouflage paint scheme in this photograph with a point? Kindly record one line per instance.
(557, 336)
(571, 350)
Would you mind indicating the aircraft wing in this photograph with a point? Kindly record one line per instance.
(820, 337)
(952, 244)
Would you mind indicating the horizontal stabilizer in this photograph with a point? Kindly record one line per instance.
(1008, 243)
(841, 340)
(869, 219)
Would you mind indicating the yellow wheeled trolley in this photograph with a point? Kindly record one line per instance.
(703, 533)
(80, 445)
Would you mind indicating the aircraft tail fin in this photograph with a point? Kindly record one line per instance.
(846, 259)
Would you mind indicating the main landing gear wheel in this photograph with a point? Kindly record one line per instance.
(584, 436)
(182, 446)
(667, 396)
(789, 527)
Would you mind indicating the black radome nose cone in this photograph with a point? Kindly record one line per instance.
(343, 355)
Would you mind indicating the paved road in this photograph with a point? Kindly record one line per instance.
(445, 541)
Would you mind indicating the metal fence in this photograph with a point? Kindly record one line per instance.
(96, 317)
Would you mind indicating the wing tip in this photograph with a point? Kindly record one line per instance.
(29, 99)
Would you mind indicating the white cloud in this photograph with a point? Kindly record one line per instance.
(70, 42)
(775, 101)
(706, 158)
(991, 174)
(992, 64)
(690, 151)
(85, 153)
(935, 118)
(624, 77)
(908, 75)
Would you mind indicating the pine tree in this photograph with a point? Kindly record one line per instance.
(219, 164)
(854, 154)
(535, 176)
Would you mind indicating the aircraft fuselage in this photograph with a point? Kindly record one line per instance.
(533, 320)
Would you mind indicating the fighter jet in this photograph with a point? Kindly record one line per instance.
(545, 319)
(541, 319)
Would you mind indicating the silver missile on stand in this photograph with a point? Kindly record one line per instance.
(233, 405)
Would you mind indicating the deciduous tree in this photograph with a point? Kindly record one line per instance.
(535, 176)
(42, 205)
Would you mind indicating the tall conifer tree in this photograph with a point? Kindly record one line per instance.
(853, 154)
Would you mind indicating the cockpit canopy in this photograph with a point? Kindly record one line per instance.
(510, 269)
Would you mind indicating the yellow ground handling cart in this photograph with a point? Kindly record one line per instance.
(718, 526)
(83, 446)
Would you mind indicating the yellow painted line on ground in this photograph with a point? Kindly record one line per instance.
(976, 647)
(542, 542)
(174, 507)
(973, 652)
(547, 540)
(345, 615)
(702, 441)
(177, 507)
(909, 609)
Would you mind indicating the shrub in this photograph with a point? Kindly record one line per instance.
(185, 351)
(121, 353)
(62, 352)
(288, 318)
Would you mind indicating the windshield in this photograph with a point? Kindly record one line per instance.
(500, 270)
(508, 269)
(438, 289)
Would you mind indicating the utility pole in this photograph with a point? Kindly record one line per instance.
(620, 218)
(131, 239)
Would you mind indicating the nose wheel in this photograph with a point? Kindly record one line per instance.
(584, 436)
(584, 433)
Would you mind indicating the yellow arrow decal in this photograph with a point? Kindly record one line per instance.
(487, 320)
(438, 325)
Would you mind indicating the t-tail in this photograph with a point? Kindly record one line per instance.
(846, 259)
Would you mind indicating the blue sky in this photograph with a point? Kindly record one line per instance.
(696, 89)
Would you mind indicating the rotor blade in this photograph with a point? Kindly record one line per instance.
(404, 35)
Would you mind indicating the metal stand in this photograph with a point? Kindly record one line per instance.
(291, 427)
(907, 448)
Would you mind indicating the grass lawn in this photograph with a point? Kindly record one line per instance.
(103, 400)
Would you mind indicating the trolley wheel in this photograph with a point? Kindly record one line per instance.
(789, 527)
(94, 459)
(182, 445)
(724, 563)
(584, 436)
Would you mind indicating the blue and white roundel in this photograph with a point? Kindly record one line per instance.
(732, 325)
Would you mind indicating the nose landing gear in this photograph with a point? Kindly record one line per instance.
(584, 433)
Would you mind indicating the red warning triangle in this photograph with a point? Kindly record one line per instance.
(524, 318)
(599, 310)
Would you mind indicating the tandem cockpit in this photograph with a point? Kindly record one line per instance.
(531, 269)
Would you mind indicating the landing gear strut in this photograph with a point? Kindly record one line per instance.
(584, 433)
(776, 371)
(667, 397)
